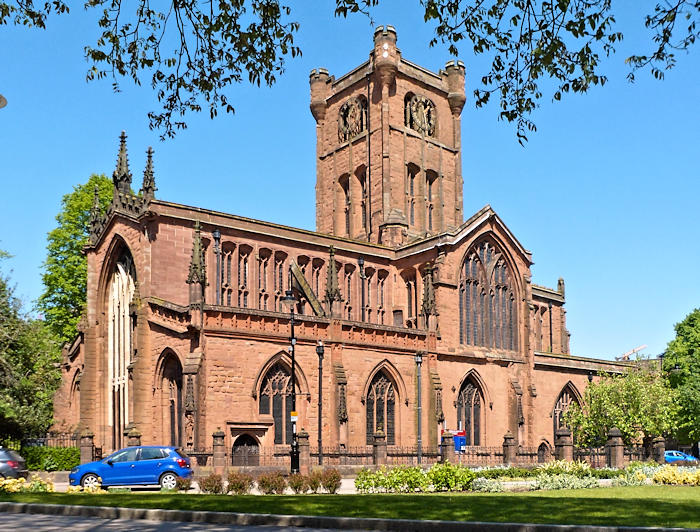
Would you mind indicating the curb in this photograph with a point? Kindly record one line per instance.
(342, 523)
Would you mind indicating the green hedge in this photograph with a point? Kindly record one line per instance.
(51, 458)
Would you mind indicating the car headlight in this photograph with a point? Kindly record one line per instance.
(74, 470)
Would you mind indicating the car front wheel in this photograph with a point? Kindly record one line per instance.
(168, 481)
(90, 481)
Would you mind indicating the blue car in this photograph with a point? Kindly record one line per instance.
(678, 456)
(144, 465)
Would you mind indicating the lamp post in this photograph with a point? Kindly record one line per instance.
(590, 376)
(319, 352)
(361, 264)
(290, 300)
(419, 361)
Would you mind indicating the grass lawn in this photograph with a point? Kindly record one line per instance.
(670, 506)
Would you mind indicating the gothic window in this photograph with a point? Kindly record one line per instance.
(278, 279)
(430, 179)
(120, 339)
(565, 399)
(381, 406)
(411, 173)
(344, 183)
(227, 264)
(316, 264)
(420, 115)
(276, 399)
(487, 300)
(243, 255)
(348, 291)
(352, 118)
(381, 280)
(469, 411)
(409, 279)
(364, 203)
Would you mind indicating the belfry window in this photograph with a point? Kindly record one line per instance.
(487, 306)
(276, 399)
(469, 411)
(381, 405)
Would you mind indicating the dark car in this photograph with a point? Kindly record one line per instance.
(678, 456)
(12, 465)
(135, 466)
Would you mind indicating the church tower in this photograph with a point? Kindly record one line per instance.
(388, 147)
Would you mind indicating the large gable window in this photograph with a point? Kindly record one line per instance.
(381, 405)
(276, 399)
(487, 308)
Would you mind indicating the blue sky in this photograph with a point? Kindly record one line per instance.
(605, 194)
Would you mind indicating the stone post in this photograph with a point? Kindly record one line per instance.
(379, 451)
(659, 446)
(219, 457)
(87, 447)
(304, 452)
(448, 448)
(615, 448)
(510, 448)
(564, 445)
(134, 438)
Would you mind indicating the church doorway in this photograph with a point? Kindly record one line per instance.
(245, 452)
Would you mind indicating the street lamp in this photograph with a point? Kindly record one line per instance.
(319, 352)
(590, 376)
(291, 301)
(419, 360)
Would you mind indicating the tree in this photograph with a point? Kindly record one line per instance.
(192, 50)
(639, 403)
(681, 363)
(29, 374)
(65, 268)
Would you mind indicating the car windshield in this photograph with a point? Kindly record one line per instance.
(125, 455)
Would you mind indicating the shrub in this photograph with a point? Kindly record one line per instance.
(183, 484)
(330, 480)
(631, 478)
(212, 484)
(487, 485)
(448, 477)
(366, 481)
(559, 467)
(564, 481)
(673, 475)
(504, 472)
(314, 480)
(607, 472)
(270, 483)
(51, 458)
(21, 485)
(298, 483)
(239, 483)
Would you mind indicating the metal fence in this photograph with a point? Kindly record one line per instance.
(409, 455)
(53, 440)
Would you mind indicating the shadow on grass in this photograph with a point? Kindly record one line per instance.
(643, 506)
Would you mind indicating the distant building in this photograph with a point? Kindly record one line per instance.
(184, 332)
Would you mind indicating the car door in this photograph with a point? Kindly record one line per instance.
(122, 468)
(150, 465)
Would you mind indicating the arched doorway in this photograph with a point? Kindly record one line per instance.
(170, 388)
(245, 451)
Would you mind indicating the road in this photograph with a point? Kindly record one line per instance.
(51, 523)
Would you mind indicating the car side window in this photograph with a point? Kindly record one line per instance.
(151, 454)
(127, 455)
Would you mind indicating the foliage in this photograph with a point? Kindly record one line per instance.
(639, 403)
(330, 480)
(50, 458)
(631, 478)
(564, 481)
(576, 468)
(183, 483)
(487, 485)
(269, 483)
(504, 472)
(681, 364)
(191, 51)
(239, 483)
(298, 483)
(402, 479)
(607, 472)
(20, 485)
(314, 480)
(29, 376)
(689, 476)
(212, 483)
(65, 268)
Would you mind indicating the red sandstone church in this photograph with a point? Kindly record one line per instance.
(428, 321)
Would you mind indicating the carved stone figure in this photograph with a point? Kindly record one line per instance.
(352, 119)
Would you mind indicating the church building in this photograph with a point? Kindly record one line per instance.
(409, 319)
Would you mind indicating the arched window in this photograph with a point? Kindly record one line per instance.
(469, 411)
(120, 338)
(344, 183)
(276, 399)
(411, 189)
(171, 399)
(430, 184)
(487, 308)
(565, 399)
(381, 404)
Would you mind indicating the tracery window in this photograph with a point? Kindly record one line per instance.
(352, 118)
(243, 277)
(344, 183)
(564, 401)
(487, 308)
(381, 405)
(430, 179)
(364, 203)
(469, 411)
(263, 262)
(381, 278)
(276, 399)
(120, 338)
(411, 173)
(227, 263)
(420, 115)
